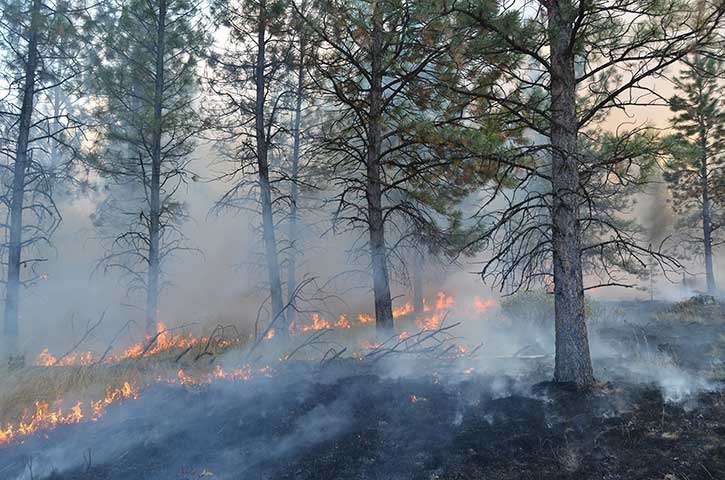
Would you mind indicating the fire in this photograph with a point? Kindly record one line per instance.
(318, 323)
(45, 359)
(46, 417)
(365, 318)
(244, 373)
(270, 334)
(153, 344)
(342, 322)
(444, 301)
(403, 310)
(480, 306)
(370, 345)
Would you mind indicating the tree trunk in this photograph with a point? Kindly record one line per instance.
(294, 191)
(573, 361)
(381, 284)
(270, 242)
(154, 260)
(20, 168)
(418, 283)
(706, 212)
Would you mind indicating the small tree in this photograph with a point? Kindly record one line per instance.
(695, 171)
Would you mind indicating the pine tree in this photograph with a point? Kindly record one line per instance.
(145, 77)
(695, 171)
(41, 44)
(583, 59)
(398, 138)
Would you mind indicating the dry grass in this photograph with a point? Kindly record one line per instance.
(21, 388)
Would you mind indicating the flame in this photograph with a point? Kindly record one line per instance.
(270, 334)
(45, 359)
(444, 301)
(46, 418)
(480, 306)
(365, 318)
(342, 322)
(153, 344)
(403, 310)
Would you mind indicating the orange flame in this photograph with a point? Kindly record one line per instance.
(403, 310)
(480, 305)
(47, 418)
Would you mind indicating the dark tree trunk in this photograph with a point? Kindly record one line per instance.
(706, 212)
(294, 191)
(265, 190)
(573, 361)
(418, 263)
(154, 221)
(378, 256)
(20, 169)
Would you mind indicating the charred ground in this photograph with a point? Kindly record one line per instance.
(658, 413)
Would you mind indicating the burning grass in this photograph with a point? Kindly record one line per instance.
(79, 386)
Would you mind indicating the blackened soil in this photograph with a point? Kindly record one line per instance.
(358, 425)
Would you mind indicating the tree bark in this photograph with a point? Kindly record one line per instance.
(294, 190)
(706, 211)
(378, 256)
(154, 260)
(20, 169)
(268, 233)
(418, 262)
(573, 361)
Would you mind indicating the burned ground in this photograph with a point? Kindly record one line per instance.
(353, 420)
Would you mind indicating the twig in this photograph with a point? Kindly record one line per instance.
(83, 338)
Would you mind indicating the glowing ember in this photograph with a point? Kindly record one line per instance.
(369, 345)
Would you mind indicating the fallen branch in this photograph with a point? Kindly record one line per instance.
(89, 330)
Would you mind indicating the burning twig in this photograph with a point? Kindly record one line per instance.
(152, 341)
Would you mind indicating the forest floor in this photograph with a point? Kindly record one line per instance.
(658, 413)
